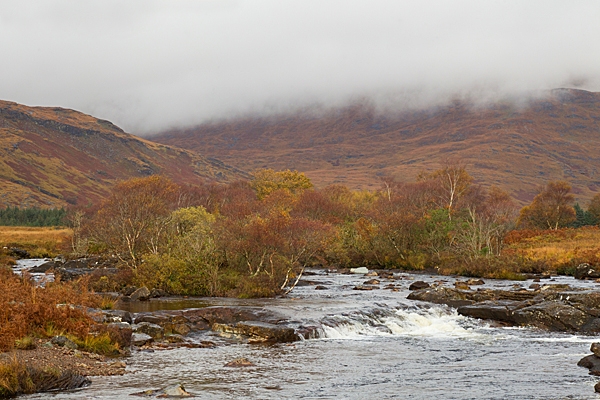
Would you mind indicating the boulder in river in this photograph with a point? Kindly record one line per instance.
(141, 339)
(153, 330)
(260, 331)
(586, 271)
(141, 294)
(173, 391)
(418, 285)
(240, 362)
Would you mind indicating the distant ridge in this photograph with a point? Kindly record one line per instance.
(515, 147)
(52, 157)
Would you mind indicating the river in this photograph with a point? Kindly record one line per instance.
(371, 345)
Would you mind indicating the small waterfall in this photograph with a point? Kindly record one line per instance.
(435, 321)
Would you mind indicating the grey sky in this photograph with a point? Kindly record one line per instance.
(149, 65)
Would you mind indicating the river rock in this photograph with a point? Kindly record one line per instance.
(153, 330)
(120, 332)
(141, 294)
(595, 348)
(501, 310)
(554, 316)
(475, 282)
(260, 331)
(364, 287)
(442, 295)
(63, 341)
(321, 287)
(180, 329)
(231, 315)
(45, 267)
(372, 273)
(372, 282)
(173, 391)
(141, 339)
(586, 271)
(240, 362)
(19, 253)
(591, 362)
(117, 316)
(154, 318)
(462, 285)
(418, 285)
(157, 293)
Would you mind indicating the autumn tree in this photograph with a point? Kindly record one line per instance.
(266, 181)
(488, 217)
(133, 220)
(452, 182)
(551, 208)
(189, 262)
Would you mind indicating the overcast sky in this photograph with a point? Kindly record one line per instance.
(149, 65)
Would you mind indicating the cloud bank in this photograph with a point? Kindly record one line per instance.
(150, 65)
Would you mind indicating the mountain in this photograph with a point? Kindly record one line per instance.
(51, 157)
(515, 146)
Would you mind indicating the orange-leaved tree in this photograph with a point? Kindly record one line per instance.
(552, 208)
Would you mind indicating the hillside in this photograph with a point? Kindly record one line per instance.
(517, 148)
(51, 157)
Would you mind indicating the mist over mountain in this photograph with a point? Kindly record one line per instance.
(517, 146)
(148, 66)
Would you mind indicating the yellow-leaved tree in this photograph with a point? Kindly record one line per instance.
(266, 181)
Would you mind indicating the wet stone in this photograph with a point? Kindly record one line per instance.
(418, 285)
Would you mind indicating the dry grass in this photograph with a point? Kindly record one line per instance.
(39, 242)
(561, 250)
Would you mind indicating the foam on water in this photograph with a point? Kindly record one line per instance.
(431, 322)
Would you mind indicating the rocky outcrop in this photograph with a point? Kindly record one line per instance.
(73, 269)
(551, 307)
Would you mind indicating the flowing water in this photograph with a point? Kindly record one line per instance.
(370, 344)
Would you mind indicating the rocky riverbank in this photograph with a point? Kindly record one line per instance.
(554, 307)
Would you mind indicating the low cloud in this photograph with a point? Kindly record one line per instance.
(150, 65)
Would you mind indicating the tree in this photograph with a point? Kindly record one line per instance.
(482, 229)
(189, 263)
(582, 217)
(266, 181)
(550, 209)
(133, 220)
(594, 209)
(452, 182)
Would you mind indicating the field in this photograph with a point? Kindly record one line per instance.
(560, 250)
(39, 242)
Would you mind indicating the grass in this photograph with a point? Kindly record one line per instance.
(25, 343)
(14, 379)
(39, 242)
(17, 378)
(560, 250)
(99, 344)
